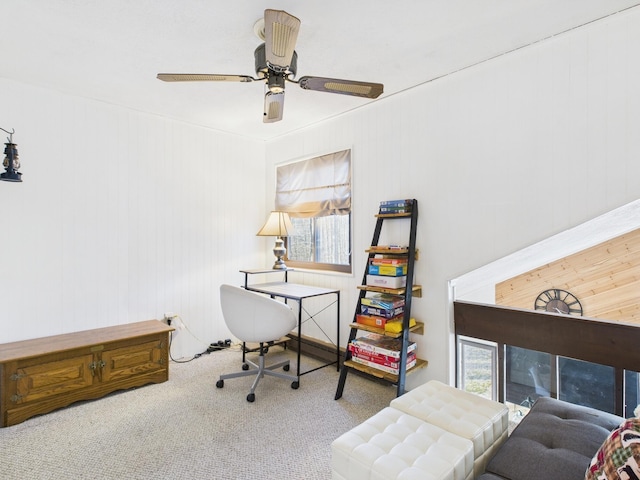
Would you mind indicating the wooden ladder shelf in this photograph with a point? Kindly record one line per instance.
(410, 253)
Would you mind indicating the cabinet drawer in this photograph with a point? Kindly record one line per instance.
(132, 360)
(48, 379)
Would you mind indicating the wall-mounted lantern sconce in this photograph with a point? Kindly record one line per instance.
(11, 162)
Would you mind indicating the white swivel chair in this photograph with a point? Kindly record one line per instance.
(255, 318)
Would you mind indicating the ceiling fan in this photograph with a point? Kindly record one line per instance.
(276, 63)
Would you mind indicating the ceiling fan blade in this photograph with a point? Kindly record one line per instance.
(280, 36)
(273, 107)
(203, 77)
(345, 87)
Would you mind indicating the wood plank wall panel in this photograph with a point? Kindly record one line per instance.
(605, 278)
(123, 216)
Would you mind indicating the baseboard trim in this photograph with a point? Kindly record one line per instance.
(315, 348)
(326, 352)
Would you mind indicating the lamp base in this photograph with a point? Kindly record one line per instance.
(279, 265)
(279, 251)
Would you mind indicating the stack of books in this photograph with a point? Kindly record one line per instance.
(378, 310)
(379, 268)
(396, 206)
(381, 352)
(386, 271)
(387, 306)
(383, 311)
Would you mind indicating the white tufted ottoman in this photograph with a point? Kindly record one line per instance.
(393, 445)
(470, 416)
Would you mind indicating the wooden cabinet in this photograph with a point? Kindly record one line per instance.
(43, 374)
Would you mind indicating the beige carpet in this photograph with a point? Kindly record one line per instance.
(186, 428)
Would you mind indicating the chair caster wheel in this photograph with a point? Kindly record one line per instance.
(220, 383)
(286, 368)
(295, 385)
(245, 366)
(251, 397)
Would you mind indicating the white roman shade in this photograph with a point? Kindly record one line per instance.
(316, 187)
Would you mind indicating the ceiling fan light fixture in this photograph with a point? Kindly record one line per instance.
(275, 82)
(273, 107)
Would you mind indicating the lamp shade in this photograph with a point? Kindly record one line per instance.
(277, 225)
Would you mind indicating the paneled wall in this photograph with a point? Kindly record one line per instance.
(500, 156)
(121, 217)
(605, 279)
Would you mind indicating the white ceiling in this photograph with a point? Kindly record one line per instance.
(111, 50)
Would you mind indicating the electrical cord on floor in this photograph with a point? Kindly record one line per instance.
(211, 348)
(197, 355)
(186, 327)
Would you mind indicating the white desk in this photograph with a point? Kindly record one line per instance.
(297, 293)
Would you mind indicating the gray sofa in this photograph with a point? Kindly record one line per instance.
(556, 440)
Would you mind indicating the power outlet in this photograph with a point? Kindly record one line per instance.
(169, 317)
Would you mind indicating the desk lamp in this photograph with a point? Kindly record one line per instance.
(278, 225)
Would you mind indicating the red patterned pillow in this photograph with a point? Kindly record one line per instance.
(618, 458)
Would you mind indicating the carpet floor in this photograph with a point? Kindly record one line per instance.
(187, 428)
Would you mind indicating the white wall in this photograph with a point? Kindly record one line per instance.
(499, 156)
(121, 217)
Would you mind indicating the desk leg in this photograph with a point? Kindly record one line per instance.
(299, 336)
(338, 332)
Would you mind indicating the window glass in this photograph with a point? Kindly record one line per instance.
(320, 240)
(528, 375)
(300, 245)
(631, 392)
(531, 374)
(586, 383)
(477, 367)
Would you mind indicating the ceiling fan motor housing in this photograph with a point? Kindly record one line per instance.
(263, 69)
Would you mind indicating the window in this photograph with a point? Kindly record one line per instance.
(317, 195)
(631, 392)
(532, 374)
(477, 367)
(529, 374)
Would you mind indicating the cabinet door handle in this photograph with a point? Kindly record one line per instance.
(94, 365)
